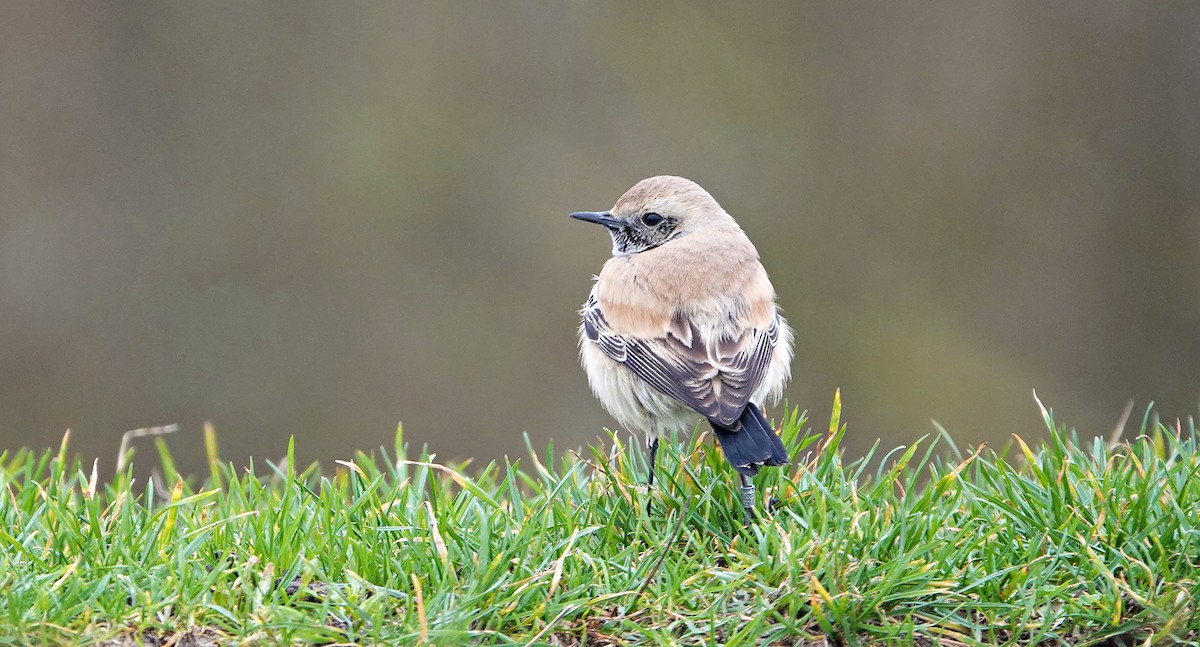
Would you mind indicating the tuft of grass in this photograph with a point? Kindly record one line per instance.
(1069, 542)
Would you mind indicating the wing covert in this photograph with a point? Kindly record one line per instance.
(714, 377)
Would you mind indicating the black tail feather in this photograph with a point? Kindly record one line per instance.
(750, 442)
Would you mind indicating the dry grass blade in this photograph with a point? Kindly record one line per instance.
(123, 452)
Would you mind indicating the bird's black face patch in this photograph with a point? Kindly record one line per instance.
(643, 231)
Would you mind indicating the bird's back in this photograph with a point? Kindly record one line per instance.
(715, 281)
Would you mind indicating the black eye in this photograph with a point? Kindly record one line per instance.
(652, 219)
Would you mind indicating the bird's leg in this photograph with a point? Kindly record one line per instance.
(747, 498)
(652, 446)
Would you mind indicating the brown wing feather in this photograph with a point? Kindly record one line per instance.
(715, 379)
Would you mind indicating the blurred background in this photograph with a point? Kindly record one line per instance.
(319, 219)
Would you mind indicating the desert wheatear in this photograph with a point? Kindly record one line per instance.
(682, 321)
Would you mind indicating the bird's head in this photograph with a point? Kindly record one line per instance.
(658, 210)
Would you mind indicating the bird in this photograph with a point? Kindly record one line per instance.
(682, 321)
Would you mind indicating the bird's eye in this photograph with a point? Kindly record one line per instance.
(652, 219)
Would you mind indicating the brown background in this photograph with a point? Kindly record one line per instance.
(316, 219)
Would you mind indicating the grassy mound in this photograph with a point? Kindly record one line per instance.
(1065, 543)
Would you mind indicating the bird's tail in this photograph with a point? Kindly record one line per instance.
(750, 442)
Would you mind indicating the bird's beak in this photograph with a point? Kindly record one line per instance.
(599, 217)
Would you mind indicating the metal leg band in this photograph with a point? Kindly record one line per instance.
(748, 496)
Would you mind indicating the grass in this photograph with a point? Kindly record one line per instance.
(1064, 543)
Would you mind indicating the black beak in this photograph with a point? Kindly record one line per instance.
(599, 217)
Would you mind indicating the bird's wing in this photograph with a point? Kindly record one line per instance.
(713, 376)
